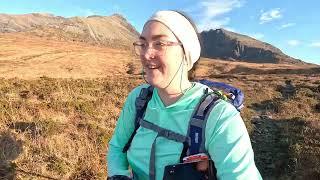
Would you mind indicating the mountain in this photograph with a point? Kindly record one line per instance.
(116, 32)
(228, 45)
(111, 30)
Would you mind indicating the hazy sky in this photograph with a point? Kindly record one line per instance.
(292, 26)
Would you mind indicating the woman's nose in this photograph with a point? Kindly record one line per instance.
(149, 53)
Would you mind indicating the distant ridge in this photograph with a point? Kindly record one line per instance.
(111, 30)
(228, 45)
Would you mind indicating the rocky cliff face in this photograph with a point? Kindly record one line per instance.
(228, 45)
(103, 30)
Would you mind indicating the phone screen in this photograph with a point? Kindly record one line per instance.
(188, 171)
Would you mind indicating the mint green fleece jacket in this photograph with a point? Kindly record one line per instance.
(227, 140)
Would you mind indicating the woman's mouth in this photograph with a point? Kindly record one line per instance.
(152, 67)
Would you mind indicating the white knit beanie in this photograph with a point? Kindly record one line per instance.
(183, 30)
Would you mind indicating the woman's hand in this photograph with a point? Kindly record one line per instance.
(202, 165)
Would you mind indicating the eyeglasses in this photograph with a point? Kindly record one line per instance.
(159, 47)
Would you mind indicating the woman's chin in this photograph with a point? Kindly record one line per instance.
(154, 81)
(154, 78)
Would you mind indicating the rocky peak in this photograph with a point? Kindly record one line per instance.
(224, 44)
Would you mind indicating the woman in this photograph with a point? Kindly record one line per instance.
(168, 48)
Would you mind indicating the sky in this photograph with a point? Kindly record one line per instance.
(291, 26)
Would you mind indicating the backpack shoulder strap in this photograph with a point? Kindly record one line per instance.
(197, 123)
(141, 104)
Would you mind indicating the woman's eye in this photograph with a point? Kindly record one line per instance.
(159, 43)
(142, 44)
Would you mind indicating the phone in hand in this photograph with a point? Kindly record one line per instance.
(189, 171)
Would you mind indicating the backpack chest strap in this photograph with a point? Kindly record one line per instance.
(168, 134)
(162, 132)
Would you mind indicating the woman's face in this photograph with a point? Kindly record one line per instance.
(160, 66)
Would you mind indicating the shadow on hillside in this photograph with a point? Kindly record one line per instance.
(285, 148)
(271, 106)
(254, 71)
(10, 148)
(25, 127)
(303, 140)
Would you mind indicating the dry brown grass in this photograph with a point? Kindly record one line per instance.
(60, 101)
(61, 128)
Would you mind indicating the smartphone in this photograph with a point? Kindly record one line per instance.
(188, 171)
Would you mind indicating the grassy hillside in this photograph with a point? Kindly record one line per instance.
(59, 128)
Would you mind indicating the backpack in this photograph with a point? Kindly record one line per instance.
(194, 142)
(229, 93)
